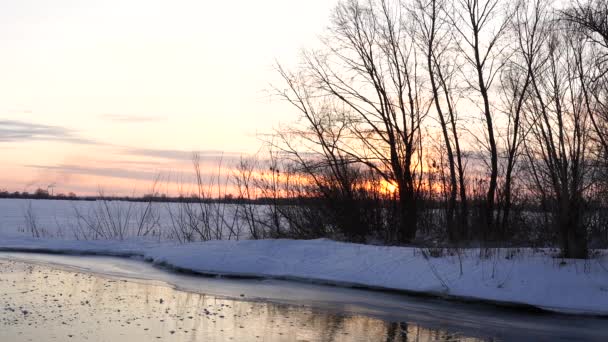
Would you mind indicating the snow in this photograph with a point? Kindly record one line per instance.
(508, 276)
(67, 219)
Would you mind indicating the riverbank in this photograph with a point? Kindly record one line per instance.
(526, 277)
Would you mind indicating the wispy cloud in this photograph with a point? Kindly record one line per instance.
(125, 118)
(98, 160)
(181, 155)
(19, 131)
(98, 171)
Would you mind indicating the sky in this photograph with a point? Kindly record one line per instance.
(109, 93)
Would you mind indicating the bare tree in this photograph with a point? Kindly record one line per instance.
(369, 67)
(528, 24)
(482, 24)
(435, 39)
(590, 18)
(247, 212)
(561, 141)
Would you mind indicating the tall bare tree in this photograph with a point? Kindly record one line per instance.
(590, 18)
(435, 40)
(530, 18)
(482, 24)
(560, 146)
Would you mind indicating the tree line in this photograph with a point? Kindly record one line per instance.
(464, 120)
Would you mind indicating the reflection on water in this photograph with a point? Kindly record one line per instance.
(39, 303)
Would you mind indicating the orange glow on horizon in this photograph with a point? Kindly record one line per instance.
(388, 188)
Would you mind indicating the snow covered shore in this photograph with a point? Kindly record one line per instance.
(517, 276)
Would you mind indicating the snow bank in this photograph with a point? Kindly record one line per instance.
(523, 276)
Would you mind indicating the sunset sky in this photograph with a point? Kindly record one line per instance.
(108, 93)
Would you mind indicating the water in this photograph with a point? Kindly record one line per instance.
(54, 297)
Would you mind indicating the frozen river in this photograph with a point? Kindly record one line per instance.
(84, 298)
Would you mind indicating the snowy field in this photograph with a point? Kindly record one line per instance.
(111, 220)
(511, 276)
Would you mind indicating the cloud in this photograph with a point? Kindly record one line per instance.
(62, 173)
(98, 171)
(124, 118)
(18, 131)
(115, 161)
(22, 131)
(181, 155)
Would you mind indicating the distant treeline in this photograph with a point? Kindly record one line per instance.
(41, 194)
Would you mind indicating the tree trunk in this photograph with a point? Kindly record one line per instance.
(408, 217)
(572, 230)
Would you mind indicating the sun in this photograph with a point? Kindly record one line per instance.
(389, 187)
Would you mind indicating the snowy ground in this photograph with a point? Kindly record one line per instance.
(510, 276)
(65, 219)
